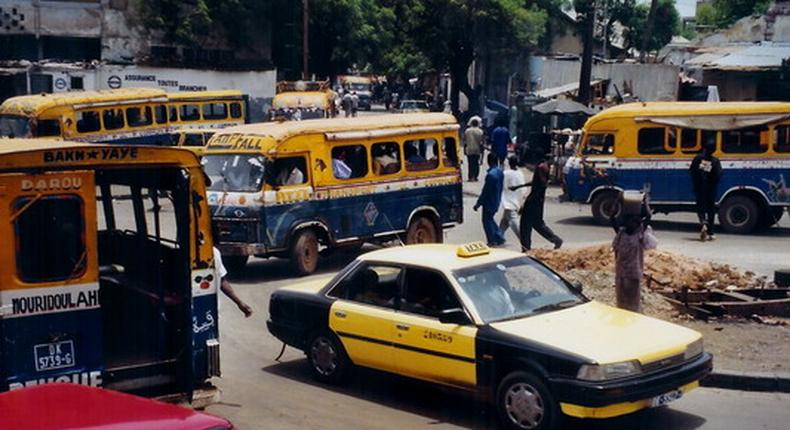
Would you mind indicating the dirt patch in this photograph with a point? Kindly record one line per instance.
(736, 344)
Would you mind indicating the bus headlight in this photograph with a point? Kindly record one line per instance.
(604, 372)
(693, 349)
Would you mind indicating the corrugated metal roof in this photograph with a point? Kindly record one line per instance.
(763, 56)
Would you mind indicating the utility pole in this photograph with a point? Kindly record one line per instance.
(587, 54)
(305, 38)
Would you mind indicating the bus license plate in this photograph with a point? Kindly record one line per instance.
(56, 355)
(665, 398)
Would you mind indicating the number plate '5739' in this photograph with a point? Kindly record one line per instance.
(56, 355)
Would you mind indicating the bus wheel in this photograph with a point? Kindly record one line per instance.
(422, 230)
(604, 206)
(771, 216)
(304, 252)
(739, 214)
(235, 263)
(524, 403)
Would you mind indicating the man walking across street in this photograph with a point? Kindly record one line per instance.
(511, 200)
(705, 174)
(532, 211)
(490, 200)
(473, 148)
(500, 138)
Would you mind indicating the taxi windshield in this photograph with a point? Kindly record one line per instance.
(14, 126)
(234, 172)
(514, 288)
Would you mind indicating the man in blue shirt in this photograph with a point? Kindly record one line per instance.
(490, 199)
(500, 138)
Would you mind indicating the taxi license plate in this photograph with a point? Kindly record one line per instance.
(56, 355)
(665, 398)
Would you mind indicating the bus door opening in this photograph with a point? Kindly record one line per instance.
(144, 285)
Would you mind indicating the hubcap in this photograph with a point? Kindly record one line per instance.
(738, 215)
(524, 406)
(324, 356)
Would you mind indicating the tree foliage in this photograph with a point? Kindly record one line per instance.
(723, 13)
(667, 24)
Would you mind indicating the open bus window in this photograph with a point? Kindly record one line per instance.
(43, 223)
(190, 113)
(235, 110)
(47, 127)
(651, 141)
(450, 152)
(287, 171)
(112, 118)
(386, 158)
(751, 140)
(421, 154)
(173, 113)
(215, 111)
(349, 162)
(782, 139)
(160, 113)
(689, 141)
(139, 117)
(88, 121)
(599, 144)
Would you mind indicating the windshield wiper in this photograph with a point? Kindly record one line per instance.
(557, 306)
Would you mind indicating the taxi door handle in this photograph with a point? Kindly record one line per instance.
(403, 327)
(340, 314)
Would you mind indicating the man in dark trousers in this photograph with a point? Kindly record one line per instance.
(705, 174)
(532, 211)
(490, 199)
(500, 138)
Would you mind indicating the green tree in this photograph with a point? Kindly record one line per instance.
(723, 13)
(667, 24)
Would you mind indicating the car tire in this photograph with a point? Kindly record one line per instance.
(739, 214)
(604, 205)
(423, 230)
(523, 402)
(328, 360)
(235, 263)
(304, 252)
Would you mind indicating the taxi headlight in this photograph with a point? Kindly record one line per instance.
(603, 372)
(693, 349)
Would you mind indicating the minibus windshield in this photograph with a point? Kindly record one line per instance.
(14, 126)
(234, 172)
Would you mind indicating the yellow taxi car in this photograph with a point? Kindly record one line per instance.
(492, 321)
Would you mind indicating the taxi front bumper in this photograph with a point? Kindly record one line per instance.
(611, 398)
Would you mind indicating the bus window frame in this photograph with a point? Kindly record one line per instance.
(142, 109)
(368, 173)
(181, 107)
(586, 142)
(762, 129)
(665, 146)
(775, 139)
(98, 113)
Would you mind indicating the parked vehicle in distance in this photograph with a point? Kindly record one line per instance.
(491, 321)
(125, 116)
(413, 106)
(285, 189)
(70, 406)
(194, 139)
(110, 278)
(362, 85)
(650, 146)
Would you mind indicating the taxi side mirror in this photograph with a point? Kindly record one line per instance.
(454, 316)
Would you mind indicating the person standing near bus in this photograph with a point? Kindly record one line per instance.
(511, 199)
(490, 200)
(473, 147)
(532, 211)
(500, 138)
(354, 103)
(225, 286)
(705, 174)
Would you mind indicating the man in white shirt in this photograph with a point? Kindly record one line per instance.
(511, 200)
(339, 166)
(290, 175)
(225, 287)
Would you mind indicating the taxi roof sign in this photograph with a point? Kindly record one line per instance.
(472, 249)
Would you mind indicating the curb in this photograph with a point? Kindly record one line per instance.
(748, 381)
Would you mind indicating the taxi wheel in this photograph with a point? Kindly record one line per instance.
(524, 403)
(304, 252)
(422, 230)
(328, 360)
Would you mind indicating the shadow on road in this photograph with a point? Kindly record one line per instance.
(278, 269)
(455, 407)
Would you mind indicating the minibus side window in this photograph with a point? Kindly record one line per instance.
(160, 113)
(47, 127)
(173, 114)
(782, 139)
(235, 110)
(599, 144)
(138, 117)
(349, 161)
(88, 121)
(450, 152)
(112, 118)
(689, 141)
(190, 113)
(193, 139)
(650, 141)
(288, 171)
(215, 111)
(751, 140)
(421, 154)
(386, 158)
(50, 237)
